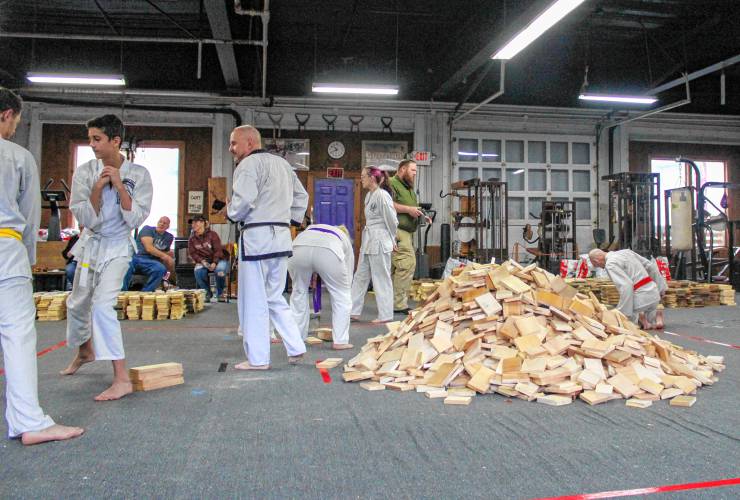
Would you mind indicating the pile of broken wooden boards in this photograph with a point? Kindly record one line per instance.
(320, 335)
(421, 289)
(150, 377)
(522, 332)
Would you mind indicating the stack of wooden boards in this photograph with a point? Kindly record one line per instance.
(196, 300)
(51, 306)
(522, 332)
(680, 293)
(150, 377)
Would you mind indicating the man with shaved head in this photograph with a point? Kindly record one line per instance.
(266, 199)
(639, 283)
(153, 258)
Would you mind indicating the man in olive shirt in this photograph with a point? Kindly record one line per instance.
(403, 262)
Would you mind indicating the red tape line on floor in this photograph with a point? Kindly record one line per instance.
(648, 491)
(45, 351)
(702, 339)
(324, 373)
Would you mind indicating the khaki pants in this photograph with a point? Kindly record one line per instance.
(403, 265)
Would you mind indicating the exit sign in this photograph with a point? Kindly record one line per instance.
(422, 157)
(335, 173)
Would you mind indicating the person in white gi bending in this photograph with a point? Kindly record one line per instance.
(266, 197)
(327, 251)
(110, 196)
(378, 242)
(639, 283)
(20, 215)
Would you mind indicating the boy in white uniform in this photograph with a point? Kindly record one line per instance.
(327, 251)
(20, 214)
(266, 197)
(110, 196)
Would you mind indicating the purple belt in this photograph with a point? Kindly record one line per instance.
(324, 231)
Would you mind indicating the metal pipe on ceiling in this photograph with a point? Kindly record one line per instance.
(127, 38)
(696, 74)
(264, 15)
(502, 78)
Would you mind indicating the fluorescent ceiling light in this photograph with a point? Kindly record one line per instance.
(70, 79)
(352, 88)
(517, 172)
(558, 10)
(466, 153)
(489, 155)
(618, 98)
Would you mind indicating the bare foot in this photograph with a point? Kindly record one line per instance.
(378, 321)
(54, 433)
(117, 390)
(295, 359)
(276, 341)
(76, 363)
(246, 366)
(354, 318)
(341, 347)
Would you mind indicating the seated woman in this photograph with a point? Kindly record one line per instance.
(204, 247)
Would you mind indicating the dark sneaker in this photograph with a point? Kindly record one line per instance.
(401, 311)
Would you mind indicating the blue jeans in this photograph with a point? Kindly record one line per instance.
(152, 268)
(70, 270)
(201, 278)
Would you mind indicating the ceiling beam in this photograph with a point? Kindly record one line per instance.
(486, 52)
(218, 18)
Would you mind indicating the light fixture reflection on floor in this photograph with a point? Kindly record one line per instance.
(76, 79)
(618, 98)
(353, 88)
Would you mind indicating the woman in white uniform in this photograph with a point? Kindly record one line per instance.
(378, 242)
(110, 196)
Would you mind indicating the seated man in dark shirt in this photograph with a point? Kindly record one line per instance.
(204, 247)
(152, 258)
(71, 265)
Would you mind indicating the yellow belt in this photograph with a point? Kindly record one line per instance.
(10, 233)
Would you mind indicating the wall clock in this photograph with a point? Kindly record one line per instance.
(336, 149)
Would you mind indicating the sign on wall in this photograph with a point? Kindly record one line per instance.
(195, 202)
(422, 158)
(385, 154)
(295, 151)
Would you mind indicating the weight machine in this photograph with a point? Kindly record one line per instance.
(685, 208)
(556, 234)
(482, 222)
(634, 208)
(53, 198)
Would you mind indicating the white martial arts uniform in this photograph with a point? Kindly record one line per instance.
(327, 251)
(266, 196)
(378, 238)
(628, 269)
(103, 253)
(20, 211)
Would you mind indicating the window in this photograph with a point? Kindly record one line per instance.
(537, 180)
(537, 151)
(467, 150)
(491, 150)
(163, 165)
(515, 151)
(558, 152)
(674, 175)
(559, 180)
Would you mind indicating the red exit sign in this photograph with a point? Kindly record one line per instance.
(335, 173)
(422, 157)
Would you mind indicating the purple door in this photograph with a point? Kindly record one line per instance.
(334, 203)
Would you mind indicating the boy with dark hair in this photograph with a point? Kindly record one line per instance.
(20, 215)
(110, 196)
